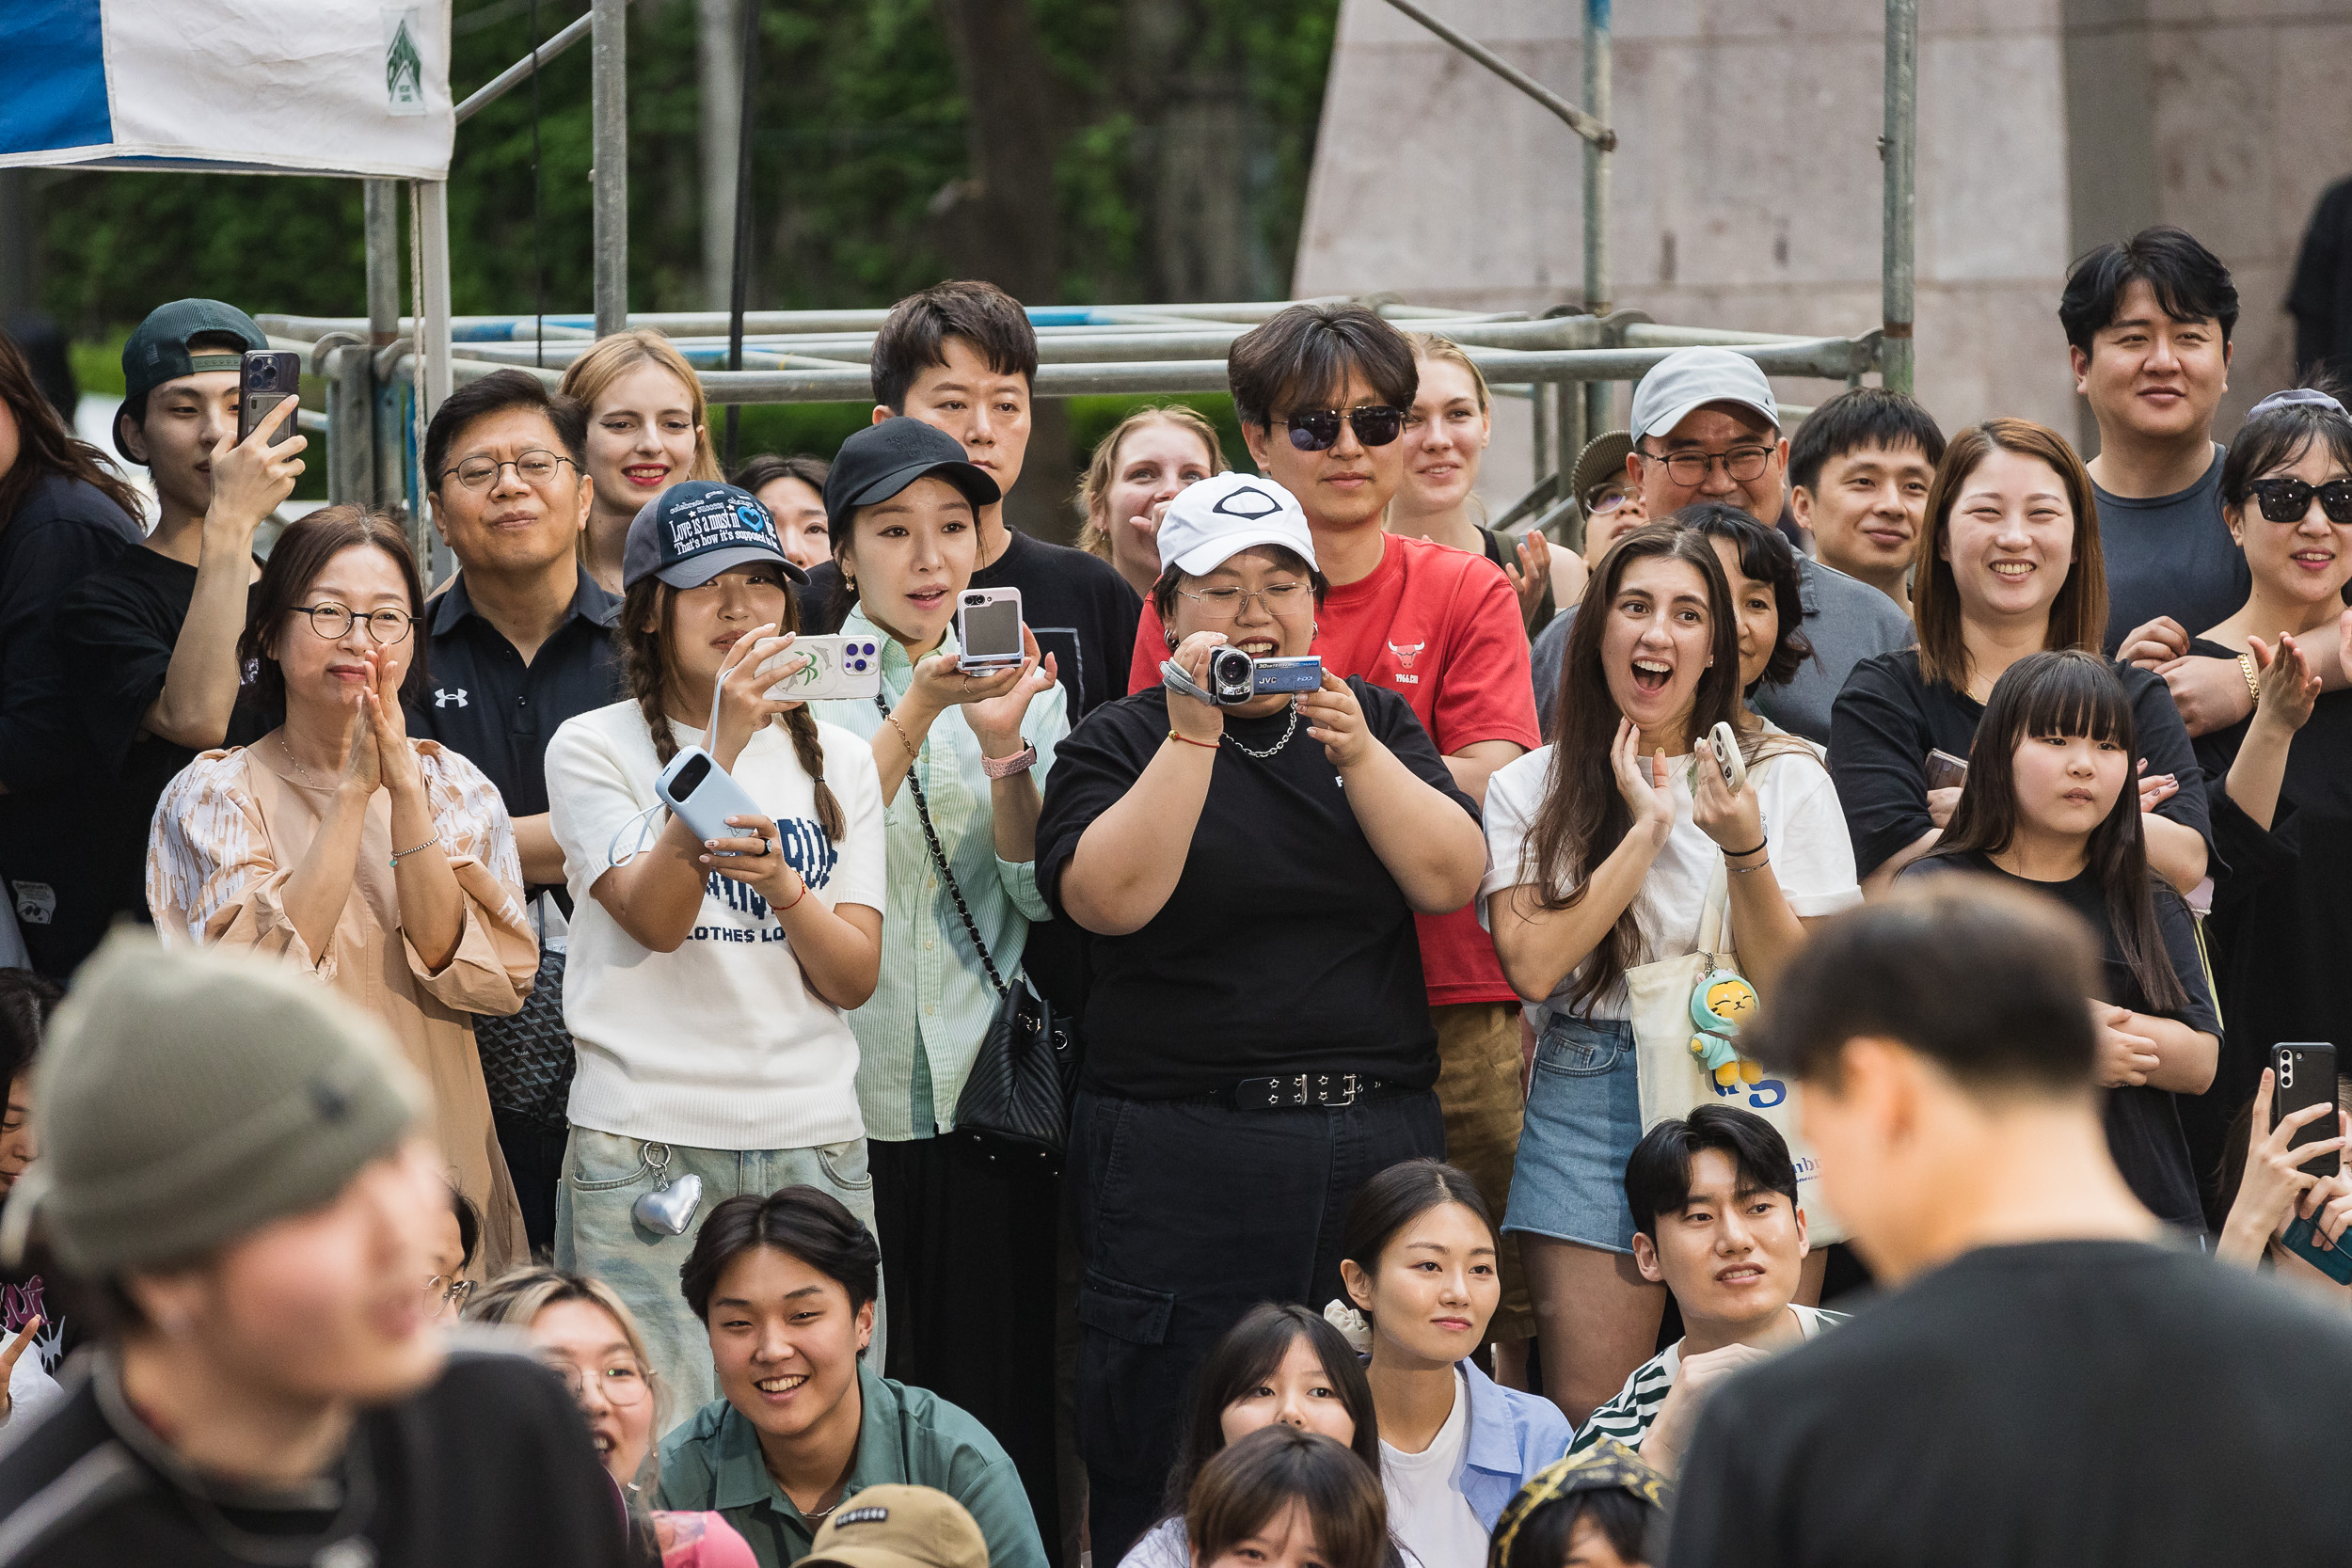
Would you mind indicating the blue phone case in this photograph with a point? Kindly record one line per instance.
(2302, 1238)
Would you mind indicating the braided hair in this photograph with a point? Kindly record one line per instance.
(652, 603)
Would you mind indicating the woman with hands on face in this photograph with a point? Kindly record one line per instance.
(709, 979)
(2265, 1188)
(1606, 847)
(1136, 471)
(386, 866)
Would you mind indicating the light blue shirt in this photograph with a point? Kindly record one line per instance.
(1512, 1436)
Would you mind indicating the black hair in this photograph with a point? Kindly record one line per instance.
(1542, 1538)
(1395, 1198)
(1658, 1173)
(1285, 559)
(2278, 438)
(203, 342)
(469, 1227)
(1246, 1357)
(2190, 283)
(1857, 418)
(913, 338)
(26, 999)
(1986, 980)
(1253, 1482)
(301, 553)
(1764, 555)
(495, 393)
(807, 1222)
(1301, 356)
(764, 468)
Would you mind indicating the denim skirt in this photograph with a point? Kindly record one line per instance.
(1583, 1117)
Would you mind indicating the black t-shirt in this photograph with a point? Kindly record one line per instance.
(2170, 555)
(489, 1465)
(1286, 945)
(1887, 719)
(2061, 1404)
(2144, 1131)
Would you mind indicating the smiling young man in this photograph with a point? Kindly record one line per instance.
(519, 641)
(1859, 471)
(1714, 1200)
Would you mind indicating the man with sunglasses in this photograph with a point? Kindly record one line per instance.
(1321, 392)
(519, 640)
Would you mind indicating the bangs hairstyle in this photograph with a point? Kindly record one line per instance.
(295, 561)
(1250, 1486)
(800, 1222)
(1859, 419)
(1094, 518)
(1766, 556)
(913, 338)
(1395, 1198)
(612, 357)
(1658, 1173)
(2071, 693)
(46, 446)
(2190, 283)
(1249, 1354)
(1301, 358)
(518, 1299)
(497, 393)
(1544, 1535)
(2078, 616)
(1582, 817)
(2281, 437)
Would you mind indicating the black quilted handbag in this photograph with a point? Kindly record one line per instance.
(1016, 1099)
(527, 1057)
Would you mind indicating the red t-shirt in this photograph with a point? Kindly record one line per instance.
(1442, 629)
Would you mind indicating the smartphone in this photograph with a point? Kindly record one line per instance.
(1945, 771)
(2302, 1238)
(988, 629)
(268, 377)
(2305, 1073)
(1726, 744)
(699, 791)
(838, 667)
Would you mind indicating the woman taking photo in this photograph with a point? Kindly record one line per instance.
(1136, 469)
(648, 429)
(1419, 1261)
(1258, 1035)
(2049, 804)
(2008, 565)
(707, 980)
(385, 866)
(961, 759)
(2266, 1189)
(1606, 847)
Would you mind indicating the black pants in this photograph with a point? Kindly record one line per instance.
(968, 1244)
(535, 1158)
(1187, 1215)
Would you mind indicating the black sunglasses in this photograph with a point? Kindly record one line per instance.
(1376, 425)
(2289, 500)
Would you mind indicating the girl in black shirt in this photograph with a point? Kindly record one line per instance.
(2048, 805)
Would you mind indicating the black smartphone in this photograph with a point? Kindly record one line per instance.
(2305, 1075)
(268, 377)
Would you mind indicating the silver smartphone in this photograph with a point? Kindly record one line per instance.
(988, 629)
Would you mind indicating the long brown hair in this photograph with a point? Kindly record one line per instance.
(1583, 816)
(1094, 522)
(295, 561)
(45, 446)
(2078, 616)
(2071, 691)
(644, 658)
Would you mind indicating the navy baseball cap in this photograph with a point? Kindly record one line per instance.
(883, 459)
(690, 532)
(158, 350)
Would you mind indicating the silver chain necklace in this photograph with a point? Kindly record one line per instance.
(1288, 730)
(298, 761)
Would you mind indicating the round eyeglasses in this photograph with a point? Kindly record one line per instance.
(623, 1384)
(534, 468)
(449, 1288)
(1688, 468)
(333, 622)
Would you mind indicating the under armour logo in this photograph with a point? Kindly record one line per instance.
(1247, 501)
(1407, 654)
(449, 699)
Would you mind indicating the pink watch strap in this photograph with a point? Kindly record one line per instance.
(1005, 768)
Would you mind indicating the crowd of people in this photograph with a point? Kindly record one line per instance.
(1468, 1067)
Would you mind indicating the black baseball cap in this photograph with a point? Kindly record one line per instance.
(884, 459)
(690, 532)
(158, 350)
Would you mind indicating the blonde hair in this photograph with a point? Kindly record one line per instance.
(1094, 527)
(517, 1299)
(1428, 345)
(615, 357)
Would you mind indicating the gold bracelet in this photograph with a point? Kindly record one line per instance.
(904, 740)
(2253, 685)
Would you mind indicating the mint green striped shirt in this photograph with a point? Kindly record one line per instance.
(918, 1033)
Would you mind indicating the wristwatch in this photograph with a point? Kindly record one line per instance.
(1005, 768)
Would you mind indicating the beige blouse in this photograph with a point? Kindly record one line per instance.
(229, 833)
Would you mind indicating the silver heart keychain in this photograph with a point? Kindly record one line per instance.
(670, 1206)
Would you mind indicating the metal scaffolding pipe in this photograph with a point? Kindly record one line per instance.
(1599, 282)
(609, 112)
(1898, 149)
(517, 75)
(1585, 125)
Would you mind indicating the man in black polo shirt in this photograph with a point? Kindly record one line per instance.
(519, 641)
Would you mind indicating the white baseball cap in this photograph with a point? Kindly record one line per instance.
(1217, 519)
(1690, 378)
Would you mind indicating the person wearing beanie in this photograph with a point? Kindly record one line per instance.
(707, 979)
(233, 1179)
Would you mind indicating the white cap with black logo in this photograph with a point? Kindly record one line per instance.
(1211, 521)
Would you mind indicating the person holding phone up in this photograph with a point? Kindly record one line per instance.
(2267, 1186)
(708, 978)
(967, 1238)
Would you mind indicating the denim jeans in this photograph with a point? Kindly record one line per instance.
(605, 1173)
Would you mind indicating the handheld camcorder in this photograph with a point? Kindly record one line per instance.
(1234, 678)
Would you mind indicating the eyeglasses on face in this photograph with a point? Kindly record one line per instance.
(333, 622)
(623, 1383)
(449, 1288)
(1375, 424)
(2287, 500)
(1226, 604)
(1688, 469)
(1602, 502)
(535, 467)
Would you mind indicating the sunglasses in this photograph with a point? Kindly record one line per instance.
(1375, 424)
(2289, 500)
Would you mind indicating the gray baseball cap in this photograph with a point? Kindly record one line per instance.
(1689, 379)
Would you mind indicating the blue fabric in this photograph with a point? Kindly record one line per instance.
(1512, 1436)
(1583, 1117)
(53, 77)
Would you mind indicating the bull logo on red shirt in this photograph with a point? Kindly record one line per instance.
(1406, 652)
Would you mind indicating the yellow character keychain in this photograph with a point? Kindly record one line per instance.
(1720, 1003)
